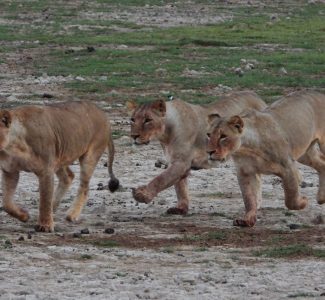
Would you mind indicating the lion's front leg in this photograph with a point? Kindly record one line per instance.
(169, 177)
(45, 219)
(182, 198)
(9, 184)
(250, 185)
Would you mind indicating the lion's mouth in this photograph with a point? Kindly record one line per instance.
(216, 157)
(138, 143)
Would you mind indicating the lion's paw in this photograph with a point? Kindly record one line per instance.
(44, 228)
(18, 212)
(303, 202)
(245, 222)
(142, 194)
(23, 214)
(72, 217)
(177, 211)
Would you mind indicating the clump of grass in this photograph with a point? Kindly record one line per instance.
(85, 256)
(288, 213)
(297, 250)
(167, 250)
(213, 235)
(106, 243)
(201, 249)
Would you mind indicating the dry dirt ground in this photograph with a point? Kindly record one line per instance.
(145, 253)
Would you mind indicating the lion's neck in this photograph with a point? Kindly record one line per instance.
(250, 138)
(171, 122)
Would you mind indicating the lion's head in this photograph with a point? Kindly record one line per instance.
(5, 121)
(223, 136)
(147, 121)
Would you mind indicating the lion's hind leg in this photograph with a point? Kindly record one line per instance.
(315, 158)
(9, 184)
(87, 166)
(65, 176)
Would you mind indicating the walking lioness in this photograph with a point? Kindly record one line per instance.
(46, 140)
(269, 142)
(181, 129)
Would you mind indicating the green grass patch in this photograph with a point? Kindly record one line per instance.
(302, 295)
(213, 235)
(105, 243)
(297, 250)
(155, 59)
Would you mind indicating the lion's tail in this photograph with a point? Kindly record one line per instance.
(113, 183)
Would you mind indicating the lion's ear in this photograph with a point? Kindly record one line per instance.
(5, 117)
(160, 106)
(131, 105)
(213, 117)
(237, 122)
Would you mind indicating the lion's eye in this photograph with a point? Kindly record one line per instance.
(208, 135)
(223, 136)
(147, 120)
(132, 120)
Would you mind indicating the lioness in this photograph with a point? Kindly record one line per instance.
(46, 140)
(269, 142)
(181, 129)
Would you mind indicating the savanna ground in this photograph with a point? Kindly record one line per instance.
(112, 51)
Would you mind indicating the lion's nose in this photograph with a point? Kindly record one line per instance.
(135, 136)
(211, 152)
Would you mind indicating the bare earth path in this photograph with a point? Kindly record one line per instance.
(154, 256)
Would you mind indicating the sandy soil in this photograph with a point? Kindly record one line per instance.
(152, 255)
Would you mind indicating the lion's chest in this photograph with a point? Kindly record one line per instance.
(18, 159)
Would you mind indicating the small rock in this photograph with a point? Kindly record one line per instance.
(305, 184)
(90, 49)
(76, 235)
(239, 72)
(283, 71)
(47, 95)
(273, 17)
(8, 244)
(69, 51)
(162, 202)
(84, 231)
(249, 66)
(109, 230)
(160, 163)
(294, 226)
(21, 238)
(319, 219)
(100, 186)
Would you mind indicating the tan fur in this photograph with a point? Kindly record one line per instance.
(45, 140)
(269, 142)
(181, 129)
